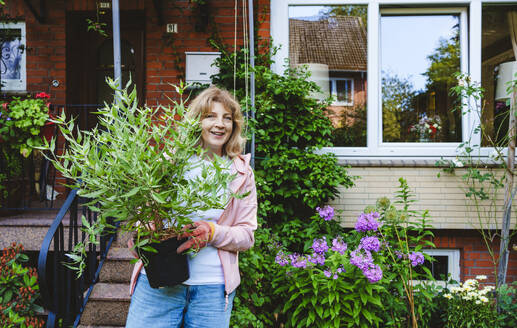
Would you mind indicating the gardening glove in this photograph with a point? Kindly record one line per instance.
(199, 237)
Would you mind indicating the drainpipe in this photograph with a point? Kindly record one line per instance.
(117, 71)
(252, 75)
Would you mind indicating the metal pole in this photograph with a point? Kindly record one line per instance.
(117, 71)
(252, 76)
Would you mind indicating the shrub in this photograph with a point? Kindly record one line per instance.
(19, 290)
(507, 301)
(470, 306)
(364, 277)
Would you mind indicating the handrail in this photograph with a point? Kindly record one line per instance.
(63, 294)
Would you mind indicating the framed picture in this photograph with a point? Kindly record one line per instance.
(13, 72)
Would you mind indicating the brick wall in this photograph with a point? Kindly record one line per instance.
(46, 43)
(475, 258)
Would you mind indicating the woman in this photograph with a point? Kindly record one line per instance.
(206, 298)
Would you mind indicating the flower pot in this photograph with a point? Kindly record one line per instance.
(166, 268)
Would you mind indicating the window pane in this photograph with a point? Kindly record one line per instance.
(419, 56)
(439, 267)
(331, 42)
(496, 49)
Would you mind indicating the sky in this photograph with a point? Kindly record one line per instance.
(406, 41)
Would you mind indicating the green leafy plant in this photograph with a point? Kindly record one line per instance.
(370, 271)
(470, 306)
(19, 290)
(507, 302)
(21, 121)
(133, 166)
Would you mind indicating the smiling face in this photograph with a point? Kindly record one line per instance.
(216, 129)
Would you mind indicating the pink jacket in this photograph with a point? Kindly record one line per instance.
(234, 229)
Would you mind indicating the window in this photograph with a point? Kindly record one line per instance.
(397, 61)
(331, 43)
(12, 64)
(420, 53)
(446, 262)
(497, 54)
(342, 91)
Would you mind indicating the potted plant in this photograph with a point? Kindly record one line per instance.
(132, 167)
(21, 121)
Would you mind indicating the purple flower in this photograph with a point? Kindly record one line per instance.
(370, 243)
(326, 213)
(398, 254)
(361, 260)
(281, 259)
(367, 222)
(298, 261)
(335, 276)
(340, 269)
(338, 245)
(317, 259)
(416, 258)
(320, 245)
(327, 273)
(373, 273)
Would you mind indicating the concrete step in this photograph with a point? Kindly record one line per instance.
(108, 305)
(117, 267)
(28, 228)
(122, 239)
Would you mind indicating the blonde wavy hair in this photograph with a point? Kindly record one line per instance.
(200, 107)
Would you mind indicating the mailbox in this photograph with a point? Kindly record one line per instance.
(198, 66)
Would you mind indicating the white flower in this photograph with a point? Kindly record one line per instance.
(447, 296)
(470, 282)
(457, 162)
(478, 302)
(483, 299)
(481, 277)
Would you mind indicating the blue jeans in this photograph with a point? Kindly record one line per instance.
(195, 306)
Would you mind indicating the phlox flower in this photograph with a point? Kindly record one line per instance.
(317, 258)
(370, 243)
(298, 261)
(281, 259)
(367, 222)
(416, 258)
(373, 274)
(327, 273)
(326, 213)
(362, 260)
(320, 245)
(338, 245)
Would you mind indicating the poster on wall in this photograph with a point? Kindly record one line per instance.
(13, 73)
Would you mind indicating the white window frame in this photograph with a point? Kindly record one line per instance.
(453, 262)
(333, 81)
(470, 44)
(17, 85)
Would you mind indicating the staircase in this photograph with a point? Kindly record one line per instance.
(108, 304)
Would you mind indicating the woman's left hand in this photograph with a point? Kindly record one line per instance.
(201, 235)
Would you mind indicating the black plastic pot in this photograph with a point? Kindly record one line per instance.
(166, 268)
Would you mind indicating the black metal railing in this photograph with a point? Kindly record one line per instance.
(64, 294)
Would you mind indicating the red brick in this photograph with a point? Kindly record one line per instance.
(485, 264)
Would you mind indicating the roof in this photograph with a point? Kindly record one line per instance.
(339, 42)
